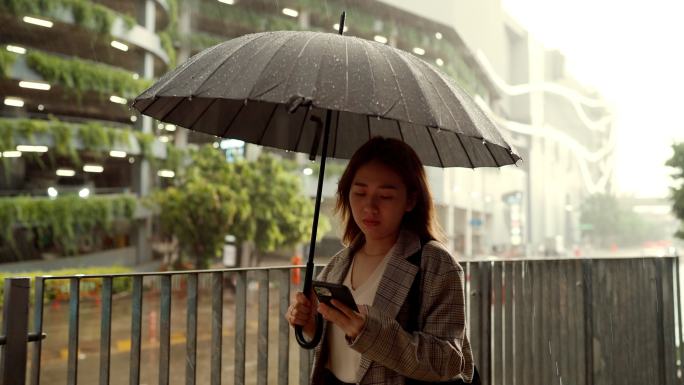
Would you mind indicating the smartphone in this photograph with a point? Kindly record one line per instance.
(326, 291)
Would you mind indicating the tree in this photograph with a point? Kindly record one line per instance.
(677, 163)
(258, 202)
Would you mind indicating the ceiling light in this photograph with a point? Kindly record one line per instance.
(84, 192)
(170, 127)
(380, 39)
(117, 99)
(439, 62)
(419, 51)
(119, 45)
(166, 173)
(134, 118)
(307, 171)
(30, 148)
(14, 102)
(438, 36)
(41, 107)
(11, 154)
(336, 27)
(36, 21)
(65, 172)
(117, 154)
(164, 139)
(52, 192)
(16, 49)
(229, 2)
(34, 85)
(136, 76)
(93, 168)
(290, 12)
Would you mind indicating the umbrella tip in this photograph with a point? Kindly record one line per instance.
(343, 16)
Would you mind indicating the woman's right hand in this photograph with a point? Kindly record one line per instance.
(302, 313)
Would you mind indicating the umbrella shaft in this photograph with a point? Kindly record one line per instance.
(319, 193)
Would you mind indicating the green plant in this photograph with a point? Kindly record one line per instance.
(677, 197)
(79, 76)
(58, 289)
(64, 219)
(7, 59)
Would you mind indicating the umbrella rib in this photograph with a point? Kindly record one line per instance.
(301, 129)
(399, 129)
(156, 97)
(289, 76)
(439, 157)
(263, 69)
(370, 67)
(472, 165)
(199, 116)
(166, 115)
(232, 120)
(492, 154)
(401, 94)
(267, 123)
(337, 133)
(318, 74)
(369, 130)
(510, 154)
(225, 60)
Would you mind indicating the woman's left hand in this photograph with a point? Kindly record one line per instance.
(348, 320)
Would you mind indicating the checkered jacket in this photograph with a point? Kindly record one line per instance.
(440, 350)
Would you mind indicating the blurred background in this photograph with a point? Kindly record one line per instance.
(584, 91)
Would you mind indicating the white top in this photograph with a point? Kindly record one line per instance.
(344, 361)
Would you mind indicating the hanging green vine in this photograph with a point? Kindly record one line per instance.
(7, 60)
(87, 14)
(79, 76)
(65, 219)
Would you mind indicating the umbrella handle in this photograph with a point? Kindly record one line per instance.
(308, 276)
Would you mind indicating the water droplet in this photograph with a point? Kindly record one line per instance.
(245, 102)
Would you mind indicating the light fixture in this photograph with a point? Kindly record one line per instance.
(65, 172)
(380, 39)
(336, 27)
(164, 139)
(439, 62)
(93, 168)
(170, 127)
(307, 171)
(38, 22)
(31, 148)
(418, 51)
(229, 2)
(131, 160)
(16, 49)
(11, 154)
(438, 36)
(134, 118)
(166, 173)
(52, 192)
(14, 102)
(117, 154)
(117, 99)
(119, 45)
(290, 12)
(136, 76)
(34, 85)
(568, 208)
(41, 107)
(84, 192)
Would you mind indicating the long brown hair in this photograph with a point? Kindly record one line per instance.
(401, 158)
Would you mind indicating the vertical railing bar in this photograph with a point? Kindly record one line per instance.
(39, 293)
(105, 329)
(588, 300)
(136, 330)
(191, 332)
(679, 319)
(283, 328)
(660, 320)
(216, 327)
(74, 302)
(486, 319)
(262, 333)
(240, 327)
(15, 330)
(164, 329)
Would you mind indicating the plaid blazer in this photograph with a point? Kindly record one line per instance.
(440, 350)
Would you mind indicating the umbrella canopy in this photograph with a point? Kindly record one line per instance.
(325, 94)
(252, 88)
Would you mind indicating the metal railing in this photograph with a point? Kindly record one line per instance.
(570, 321)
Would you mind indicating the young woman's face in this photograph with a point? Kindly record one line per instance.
(378, 200)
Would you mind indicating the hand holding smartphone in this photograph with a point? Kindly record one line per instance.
(326, 291)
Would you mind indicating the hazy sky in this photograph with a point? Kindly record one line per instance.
(633, 53)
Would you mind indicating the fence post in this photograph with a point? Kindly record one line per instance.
(15, 331)
(588, 300)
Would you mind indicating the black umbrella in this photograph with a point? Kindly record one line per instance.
(293, 90)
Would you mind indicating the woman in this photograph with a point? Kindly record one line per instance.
(388, 214)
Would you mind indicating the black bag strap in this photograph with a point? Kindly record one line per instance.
(413, 299)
